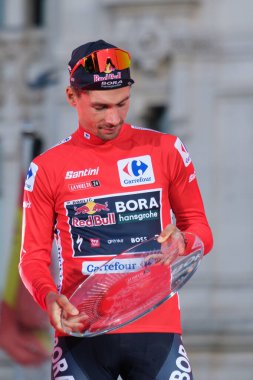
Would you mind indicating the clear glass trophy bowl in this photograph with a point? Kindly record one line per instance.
(131, 285)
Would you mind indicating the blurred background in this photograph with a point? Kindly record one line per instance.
(192, 61)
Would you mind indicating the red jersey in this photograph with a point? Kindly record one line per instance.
(98, 198)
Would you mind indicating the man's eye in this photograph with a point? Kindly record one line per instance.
(99, 108)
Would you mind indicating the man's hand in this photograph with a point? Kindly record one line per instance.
(172, 233)
(58, 305)
(175, 237)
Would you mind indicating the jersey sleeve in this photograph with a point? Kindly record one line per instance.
(37, 234)
(185, 196)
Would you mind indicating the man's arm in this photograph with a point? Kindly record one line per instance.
(185, 197)
(37, 235)
(35, 259)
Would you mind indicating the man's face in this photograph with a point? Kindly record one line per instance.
(102, 112)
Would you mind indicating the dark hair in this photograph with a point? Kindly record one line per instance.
(78, 90)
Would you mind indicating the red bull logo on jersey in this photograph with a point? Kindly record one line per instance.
(95, 220)
(136, 171)
(91, 207)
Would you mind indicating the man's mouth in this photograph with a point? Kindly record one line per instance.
(110, 129)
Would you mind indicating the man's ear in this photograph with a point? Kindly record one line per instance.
(71, 96)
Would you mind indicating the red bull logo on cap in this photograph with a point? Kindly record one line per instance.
(99, 78)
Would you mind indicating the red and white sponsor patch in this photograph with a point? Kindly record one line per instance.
(95, 243)
(30, 178)
(183, 152)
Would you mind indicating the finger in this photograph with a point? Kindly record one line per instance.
(67, 306)
(76, 327)
(178, 237)
(181, 247)
(170, 252)
(69, 321)
(59, 305)
(166, 233)
(57, 325)
(78, 323)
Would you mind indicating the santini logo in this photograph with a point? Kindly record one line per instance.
(136, 171)
(82, 173)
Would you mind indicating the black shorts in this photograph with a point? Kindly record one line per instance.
(142, 356)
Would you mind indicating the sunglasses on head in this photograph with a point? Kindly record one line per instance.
(104, 61)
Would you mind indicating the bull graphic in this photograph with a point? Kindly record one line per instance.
(91, 208)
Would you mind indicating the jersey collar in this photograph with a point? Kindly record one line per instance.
(88, 138)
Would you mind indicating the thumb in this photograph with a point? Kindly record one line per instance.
(67, 306)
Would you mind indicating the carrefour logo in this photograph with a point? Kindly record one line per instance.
(30, 178)
(136, 171)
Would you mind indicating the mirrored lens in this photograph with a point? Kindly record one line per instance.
(105, 60)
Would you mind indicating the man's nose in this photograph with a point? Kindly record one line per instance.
(112, 117)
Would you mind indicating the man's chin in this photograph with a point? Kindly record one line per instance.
(109, 134)
(108, 138)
